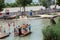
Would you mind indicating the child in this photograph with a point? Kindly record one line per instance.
(29, 27)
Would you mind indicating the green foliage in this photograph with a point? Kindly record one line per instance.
(23, 2)
(16, 5)
(11, 5)
(53, 2)
(45, 3)
(33, 4)
(49, 34)
(2, 5)
(52, 32)
(58, 2)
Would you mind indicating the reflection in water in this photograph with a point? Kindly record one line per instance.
(37, 26)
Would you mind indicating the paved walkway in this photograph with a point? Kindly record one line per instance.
(46, 16)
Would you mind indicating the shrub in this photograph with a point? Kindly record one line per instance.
(52, 32)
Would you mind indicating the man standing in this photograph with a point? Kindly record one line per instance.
(31, 13)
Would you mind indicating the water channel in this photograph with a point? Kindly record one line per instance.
(37, 26)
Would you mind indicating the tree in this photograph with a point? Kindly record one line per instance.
(2, 5)
(23, 3)
(45, 3)
(58, 2)
(53, 2)
(11, 5)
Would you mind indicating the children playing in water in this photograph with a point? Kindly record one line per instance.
(29, 26)
(22, 30)
(25, 28)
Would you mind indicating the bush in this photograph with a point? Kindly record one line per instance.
(52, 32)
(17, 17)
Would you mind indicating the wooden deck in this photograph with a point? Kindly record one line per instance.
(3, 35)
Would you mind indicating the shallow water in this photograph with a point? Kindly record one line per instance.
(37, 26)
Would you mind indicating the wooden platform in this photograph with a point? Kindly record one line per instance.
(3, 35)
(26, 34)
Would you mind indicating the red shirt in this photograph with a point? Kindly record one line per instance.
(0, 13)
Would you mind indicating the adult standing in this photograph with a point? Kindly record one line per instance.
(30, 12)
(7, 12)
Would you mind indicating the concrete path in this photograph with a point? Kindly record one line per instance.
(46, 16)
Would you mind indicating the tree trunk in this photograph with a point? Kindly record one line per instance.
(55, 6)
(24, 10)
(20, 8)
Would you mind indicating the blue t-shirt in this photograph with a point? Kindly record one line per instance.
(30, 13)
